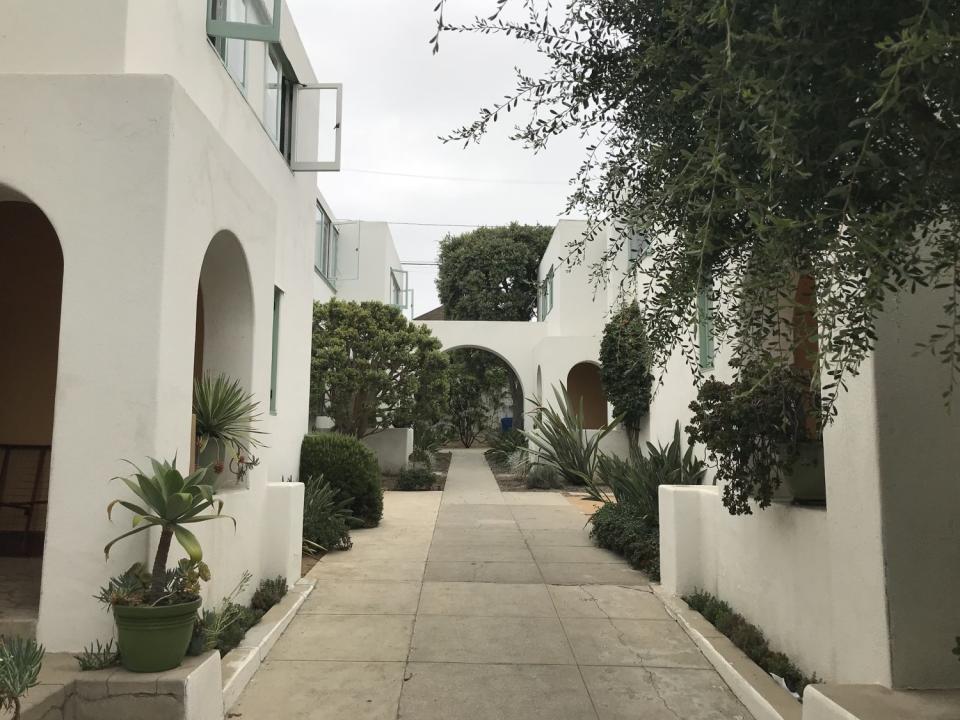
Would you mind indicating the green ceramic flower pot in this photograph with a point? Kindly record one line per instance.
(154, 639)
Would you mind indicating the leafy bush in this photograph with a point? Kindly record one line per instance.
(326, 519)
(350, 468)
(504, 444)
(752, 428)
(636, 481)
(269, 593)
(98, 656)
(626, 530)
(750, 639)
(415, 478)
(560, 441)
(542, 477)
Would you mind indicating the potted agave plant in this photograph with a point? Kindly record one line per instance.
(155, 610)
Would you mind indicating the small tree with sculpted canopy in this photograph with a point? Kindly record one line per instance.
(373, 369)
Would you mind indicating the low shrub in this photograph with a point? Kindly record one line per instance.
(326, 518)
(626, 530)
(416, 478)
(503, 444)
(542, 477)
(269, 593)
(350, 468)
(98, 656)
(750, 639)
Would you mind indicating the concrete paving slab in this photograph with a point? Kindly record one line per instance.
(323, 691)
(592, 574)
(375, 638)
(508, 535)
(360, 569)
(457, 639)
(475, 516)
(365, 597)
(486, 599)
(647, 643)
(494, 692)
(374, 550)
(487, 572)
(544, 554)
(607, 601)
(536, 498)
(567, 537)
(621, 693)
(448, 552)
(539, 517)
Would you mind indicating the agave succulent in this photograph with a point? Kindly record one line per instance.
(170, 501)
(226, 414)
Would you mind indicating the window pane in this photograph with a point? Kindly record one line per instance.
(277, 297)
(232, 51)
(271, 102)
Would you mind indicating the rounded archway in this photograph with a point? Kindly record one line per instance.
(31, 288)
(223, 334)
(587, 395)
(486, 392)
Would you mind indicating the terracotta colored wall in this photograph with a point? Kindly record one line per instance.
(583, 385)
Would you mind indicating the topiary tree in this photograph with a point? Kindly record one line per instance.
(373, 369)
(625, 367)
(350, 468)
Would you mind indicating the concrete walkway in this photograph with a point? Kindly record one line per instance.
(479, 605)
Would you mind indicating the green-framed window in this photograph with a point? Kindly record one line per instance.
(275, 357)
(259, 21)
(546, 296)
(326, 247)
(705, 334)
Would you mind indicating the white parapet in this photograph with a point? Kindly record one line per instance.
(392, 448)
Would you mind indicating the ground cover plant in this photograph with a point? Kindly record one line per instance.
(223, 627)
(750, 639)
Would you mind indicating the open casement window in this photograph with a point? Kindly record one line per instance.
(399, 290)
(546, 296)
(317, 115)
(260, 20)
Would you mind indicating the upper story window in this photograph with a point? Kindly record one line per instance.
(325, 249)
(398, 288)
(546, 296)
(638, 245)
(233, 51)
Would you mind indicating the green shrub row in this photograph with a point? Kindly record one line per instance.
(750, 639)
(416, 478)
(626, 530)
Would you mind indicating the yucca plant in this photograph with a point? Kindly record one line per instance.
(170, 501)
(226, 414)
(20, 661)
(326, 517)
(560, 440)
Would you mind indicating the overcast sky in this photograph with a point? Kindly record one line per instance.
(398, 98)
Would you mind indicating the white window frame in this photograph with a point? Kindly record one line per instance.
(546, 295)
(399, 288)
(316, 165)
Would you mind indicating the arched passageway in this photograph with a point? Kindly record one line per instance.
(587, 395)
(31, 288)
(223, 334)
(486, 393)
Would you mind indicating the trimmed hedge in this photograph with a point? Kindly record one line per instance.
(750, 639)
(416, 478)
(350, 468)
(625, 530)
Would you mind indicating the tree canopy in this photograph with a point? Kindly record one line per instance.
(491, 273)
(478, 387)
(756, 143)
(373, 369)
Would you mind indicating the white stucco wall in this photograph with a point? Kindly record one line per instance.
(366, 256)
(138, 167)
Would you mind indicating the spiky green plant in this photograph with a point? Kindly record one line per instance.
(226, 414)
(170, 501)
(20, 661)
(98, 656)
(561, 440)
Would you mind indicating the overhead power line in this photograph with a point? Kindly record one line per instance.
(456, 178)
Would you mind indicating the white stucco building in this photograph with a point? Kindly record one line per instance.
(158, 216)
(860, 591)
